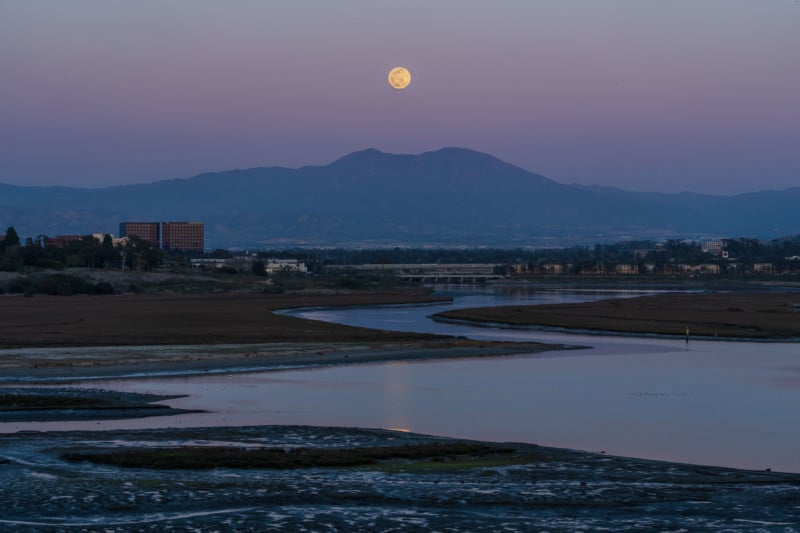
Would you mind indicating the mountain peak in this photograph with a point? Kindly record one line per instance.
(455, 151)
(450, 195)
(449, 155)
(368, 154)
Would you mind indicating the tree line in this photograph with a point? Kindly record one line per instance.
(43, 253)
(661, 255)
(137, 254)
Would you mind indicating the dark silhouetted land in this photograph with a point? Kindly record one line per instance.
(271, 477)
(765, 315)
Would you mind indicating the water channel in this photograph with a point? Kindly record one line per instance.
(705, 402)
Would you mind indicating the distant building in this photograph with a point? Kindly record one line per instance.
(763, 268)
(520, 269)
(208, 263)
(626, 269)
(147, 231)
(713, 247)
(60, 241)
(182, 236)
(705, 268)
(273, 266)
(553, 268)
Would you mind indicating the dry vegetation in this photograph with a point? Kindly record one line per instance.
(130, 320)
(766, 315)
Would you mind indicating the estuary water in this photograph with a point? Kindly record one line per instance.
(705, 402)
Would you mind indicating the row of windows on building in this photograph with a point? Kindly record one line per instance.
(175, 236)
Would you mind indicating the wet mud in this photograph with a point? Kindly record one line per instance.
(26, 404)
(531, 488)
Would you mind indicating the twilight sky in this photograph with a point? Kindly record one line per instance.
(700, 95)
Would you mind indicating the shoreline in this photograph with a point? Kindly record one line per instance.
(152, 336)
(204, 319)
(743, 317)
(605, 332)
(488, 486)
(167, 361)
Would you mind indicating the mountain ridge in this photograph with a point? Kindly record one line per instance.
(450, 196)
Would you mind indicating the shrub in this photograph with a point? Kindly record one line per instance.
(19, 286)
(63, 289)
(272, 290)
(104, 288)
(63, 285)
(350, 283)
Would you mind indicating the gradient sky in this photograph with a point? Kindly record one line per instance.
(700, 95)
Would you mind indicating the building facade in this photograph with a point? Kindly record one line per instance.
(147, 231)
(713, 247)
(182, 236)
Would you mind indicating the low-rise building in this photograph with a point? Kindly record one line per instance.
(207, 263)
(553, 268)
(61, 241)
(274, 266)
(763, 268)
(713, 247)
(519, 269)
(705, 268)
(626, 269)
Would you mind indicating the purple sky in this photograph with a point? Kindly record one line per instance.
(699, 95)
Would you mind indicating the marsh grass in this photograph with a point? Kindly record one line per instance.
(141, 320)
(763, 315)
(24, 402)
(456, 463)
(209, 457)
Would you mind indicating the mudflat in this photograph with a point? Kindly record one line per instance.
(346, 479)
(752, 315)
(51, 337)
(20, 404)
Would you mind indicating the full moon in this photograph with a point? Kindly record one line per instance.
(399, 77)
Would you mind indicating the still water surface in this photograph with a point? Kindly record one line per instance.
(720, 403)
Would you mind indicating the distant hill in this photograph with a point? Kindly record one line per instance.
(449, 197)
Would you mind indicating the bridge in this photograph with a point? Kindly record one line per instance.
(431, 272)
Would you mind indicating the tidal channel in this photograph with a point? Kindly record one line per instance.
(704, 402)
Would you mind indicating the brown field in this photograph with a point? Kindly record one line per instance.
(765, 315)
(139, 320)
(47, 337)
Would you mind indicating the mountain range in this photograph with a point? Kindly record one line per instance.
(448, 197)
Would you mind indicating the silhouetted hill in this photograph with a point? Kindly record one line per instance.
(452, 196)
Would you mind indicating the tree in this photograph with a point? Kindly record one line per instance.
(108, 255)
(220, 253)
(10, 252)
(139, 254)
(12, 239)
(258, 268)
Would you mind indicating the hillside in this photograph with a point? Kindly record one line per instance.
(451, 196)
